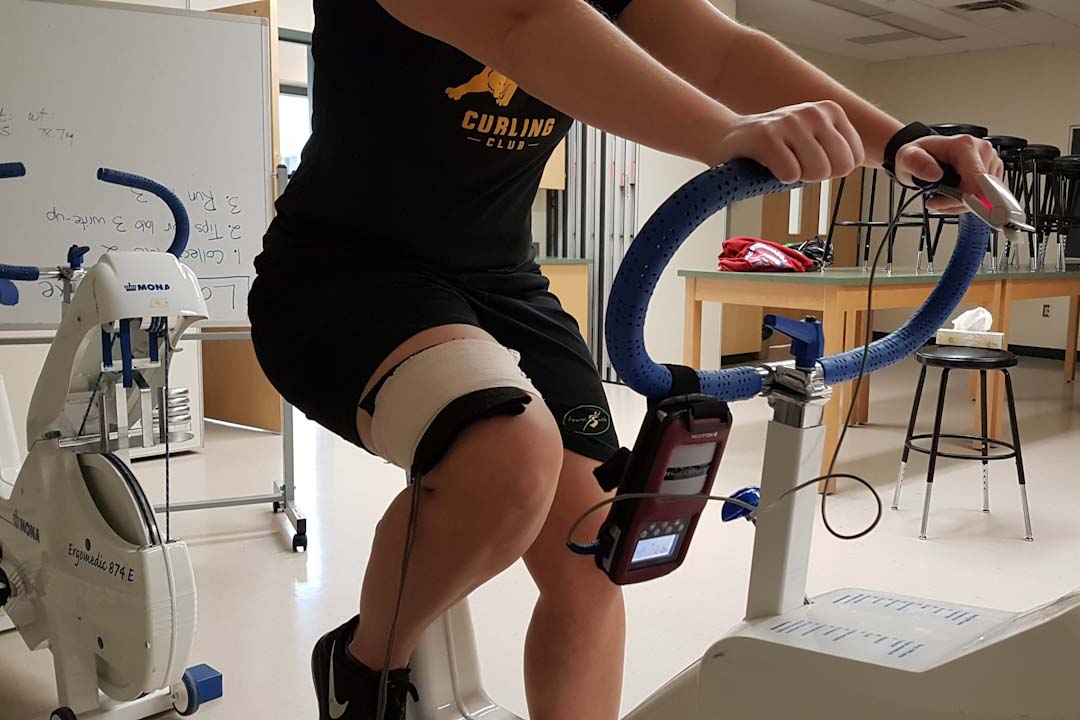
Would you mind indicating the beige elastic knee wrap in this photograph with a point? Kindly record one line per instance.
(422, 386)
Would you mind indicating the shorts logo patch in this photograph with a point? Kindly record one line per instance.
(587, 420)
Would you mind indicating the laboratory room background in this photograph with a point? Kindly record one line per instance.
(539, 360)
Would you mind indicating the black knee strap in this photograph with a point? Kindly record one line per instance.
(458, 415)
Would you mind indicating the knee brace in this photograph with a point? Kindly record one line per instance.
(426, 401)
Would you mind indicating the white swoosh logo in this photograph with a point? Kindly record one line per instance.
(337, 710)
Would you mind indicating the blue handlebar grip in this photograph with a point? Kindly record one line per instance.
(687, 209)
(12, 170)
(26, 273)
(964, 264)
(681, 214)
(179, 212)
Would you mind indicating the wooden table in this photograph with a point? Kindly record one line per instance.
(839, 298)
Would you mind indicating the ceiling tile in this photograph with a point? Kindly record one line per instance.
(824, 27)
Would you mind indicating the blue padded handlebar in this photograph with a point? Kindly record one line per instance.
(25, 273)
(12, 170)
(180, 216)
(688, 208)
(965, 262)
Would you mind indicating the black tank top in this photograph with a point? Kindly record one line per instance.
(416, 148)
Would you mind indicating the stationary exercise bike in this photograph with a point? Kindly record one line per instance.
(84, 569)
(851, 653)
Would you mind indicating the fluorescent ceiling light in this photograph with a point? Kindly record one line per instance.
(1007, 5)
(882, 15)
(857, 7)
(903, 22)
(883, 38)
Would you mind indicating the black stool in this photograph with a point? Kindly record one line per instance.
(1064, 215)
(1010, 148)
(950, 358)
(1038, 195)
(864, 242)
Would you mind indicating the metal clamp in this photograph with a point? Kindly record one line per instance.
(797, 395)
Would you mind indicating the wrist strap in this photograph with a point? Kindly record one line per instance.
(906, 134)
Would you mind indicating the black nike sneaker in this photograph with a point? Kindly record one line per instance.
(349, 690)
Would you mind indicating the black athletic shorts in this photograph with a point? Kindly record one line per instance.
(323, 320)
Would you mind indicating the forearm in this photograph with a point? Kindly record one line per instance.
(566, 54)
(759, 73)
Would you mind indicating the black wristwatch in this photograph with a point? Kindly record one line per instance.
(906, 134)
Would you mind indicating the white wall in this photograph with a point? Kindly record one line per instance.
(539, 220)
(660, 175)
(1025, 91)
(728, 7)
(294, 15)
(845, 70)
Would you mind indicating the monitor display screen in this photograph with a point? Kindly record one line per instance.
(652, 549)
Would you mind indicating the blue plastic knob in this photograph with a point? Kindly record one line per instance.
(807, 338)
(75, 255)
(749, 495)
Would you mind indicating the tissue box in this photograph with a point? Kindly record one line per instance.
(971, 338)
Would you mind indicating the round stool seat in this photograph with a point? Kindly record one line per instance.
(949, 129)
(1069, 164)
(1047, 152)
(1005, 143)
(1042, 155)
(957, 357)
(1035, 151)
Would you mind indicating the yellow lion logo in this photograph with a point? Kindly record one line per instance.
(487, 80)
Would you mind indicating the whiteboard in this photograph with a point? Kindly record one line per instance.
(180, 97)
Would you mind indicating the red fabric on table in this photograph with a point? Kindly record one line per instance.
(746, 254)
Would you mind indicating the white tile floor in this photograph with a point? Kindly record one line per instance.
(261, 607)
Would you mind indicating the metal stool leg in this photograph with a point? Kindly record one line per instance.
(935, 440)
(931, 249)
(1006, 252)
(985, 445)
(891, 239)
(835, 217)
(924, 237)
(1019, 458)
(870, 214)
(919, 253)
(995, 266)
(907, 438)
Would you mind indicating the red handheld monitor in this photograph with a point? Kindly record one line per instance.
(677, 452)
